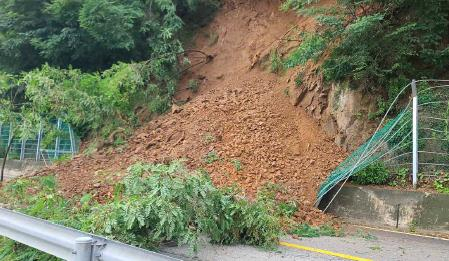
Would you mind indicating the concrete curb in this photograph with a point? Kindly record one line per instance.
(391, 208)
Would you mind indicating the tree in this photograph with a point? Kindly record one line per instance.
(93, 34)
(14, 111)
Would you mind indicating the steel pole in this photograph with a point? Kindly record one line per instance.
(72, 141)
(58, 140)
(83, 249)
(38, 145)
(22, 149)
(415, 134)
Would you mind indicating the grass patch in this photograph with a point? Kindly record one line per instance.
(305, 230)
(277, 65)
(209, 138)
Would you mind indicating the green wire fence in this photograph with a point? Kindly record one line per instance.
(43, 147)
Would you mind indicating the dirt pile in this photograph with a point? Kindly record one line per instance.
(240, 127)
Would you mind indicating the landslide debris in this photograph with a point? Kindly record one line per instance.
(239, 126)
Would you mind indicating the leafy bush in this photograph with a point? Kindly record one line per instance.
(153, 204)
(95, 103)
(277, 65)
(441, 184)
(311, 48)
(401, 177)
(374, 174)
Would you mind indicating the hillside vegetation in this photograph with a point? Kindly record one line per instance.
(375, 44)
(252, 163)
(92, 63)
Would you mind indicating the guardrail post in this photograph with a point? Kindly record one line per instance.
(83, 249)
(415, 134)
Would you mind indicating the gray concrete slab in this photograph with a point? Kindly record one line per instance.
(17, 168)
(375, 206)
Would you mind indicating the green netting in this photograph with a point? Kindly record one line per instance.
(388, 141)
(392, 142)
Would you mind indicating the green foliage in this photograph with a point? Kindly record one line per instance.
(93, 17)
(401, 177)
(93, 35)
(299, 79)
(209, 138)
(441, 184)
(305, 230)
(277, 66)
(96, 103)
(153, 204)
(311, 48)
(374, 174)
(365, 235)
(295, 4)
(237, 164)
(377, 42)
(193, 85)
(354, 58)
(211, 157)
(41, 37)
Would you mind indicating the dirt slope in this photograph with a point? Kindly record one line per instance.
(241, 112)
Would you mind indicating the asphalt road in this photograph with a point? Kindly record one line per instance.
(358, 244)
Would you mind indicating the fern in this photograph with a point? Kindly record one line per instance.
(158, 203)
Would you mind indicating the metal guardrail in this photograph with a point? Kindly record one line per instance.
(67, 243)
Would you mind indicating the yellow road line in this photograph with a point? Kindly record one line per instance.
(325, 252)
(400, 232)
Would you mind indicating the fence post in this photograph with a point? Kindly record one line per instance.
(58, 140)
(83, 248)
(38, 146)
(415, 134)
(22, 149)
(72, 141)
(10, 137)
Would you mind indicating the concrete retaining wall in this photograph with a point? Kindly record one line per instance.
(15, 168)
(384, 207)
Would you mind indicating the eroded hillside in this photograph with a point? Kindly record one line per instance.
(240, 126)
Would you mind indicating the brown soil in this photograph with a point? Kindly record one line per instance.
(241, 112)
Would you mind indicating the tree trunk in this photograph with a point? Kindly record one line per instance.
(5, 157)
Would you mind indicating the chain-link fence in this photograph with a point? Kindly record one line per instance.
(44, 147)
(412, 138)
